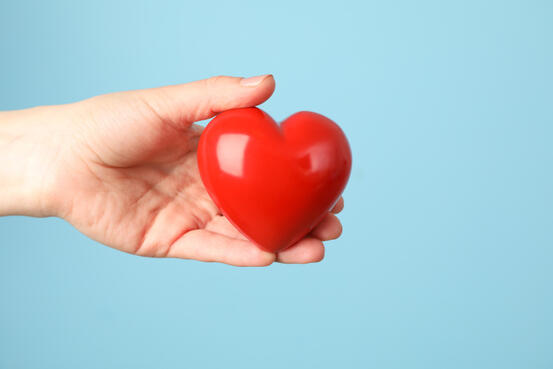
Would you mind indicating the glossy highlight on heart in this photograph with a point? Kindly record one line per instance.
(274, 183)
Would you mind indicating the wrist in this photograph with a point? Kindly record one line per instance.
(27, 153)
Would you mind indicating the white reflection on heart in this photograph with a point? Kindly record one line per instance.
(230, 153)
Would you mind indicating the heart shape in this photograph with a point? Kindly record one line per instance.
(274, 184)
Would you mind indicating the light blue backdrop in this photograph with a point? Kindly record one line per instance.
(447, 255)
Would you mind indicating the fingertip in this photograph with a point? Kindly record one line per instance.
(330, 228)
(251, 256)
(208, 246)
(263, 86)
(339, 206)
(308, 250)
(266, 259)
(258, 257)
(225, 92)
(257, 80)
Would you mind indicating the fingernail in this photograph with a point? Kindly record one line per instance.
(253, 81)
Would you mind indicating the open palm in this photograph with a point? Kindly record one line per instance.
(129, 175)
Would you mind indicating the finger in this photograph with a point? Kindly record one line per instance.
(204, 245)
(330, 228)
(195, 101)
(308, 250)
(339, 206)
(220, 224)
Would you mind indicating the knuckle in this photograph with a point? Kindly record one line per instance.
(212, 82)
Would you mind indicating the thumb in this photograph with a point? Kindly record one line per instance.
(191, 102)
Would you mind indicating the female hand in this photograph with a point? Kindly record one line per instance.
(122, 169)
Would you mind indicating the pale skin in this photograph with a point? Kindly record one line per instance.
(122, 169)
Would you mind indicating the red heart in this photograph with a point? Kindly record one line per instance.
(274, 184)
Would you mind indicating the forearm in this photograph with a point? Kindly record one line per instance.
(23, 154)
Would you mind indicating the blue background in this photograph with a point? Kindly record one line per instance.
(447, 255)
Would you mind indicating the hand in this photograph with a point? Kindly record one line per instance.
(122, 169)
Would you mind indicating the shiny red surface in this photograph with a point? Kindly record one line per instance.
(273, 183)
